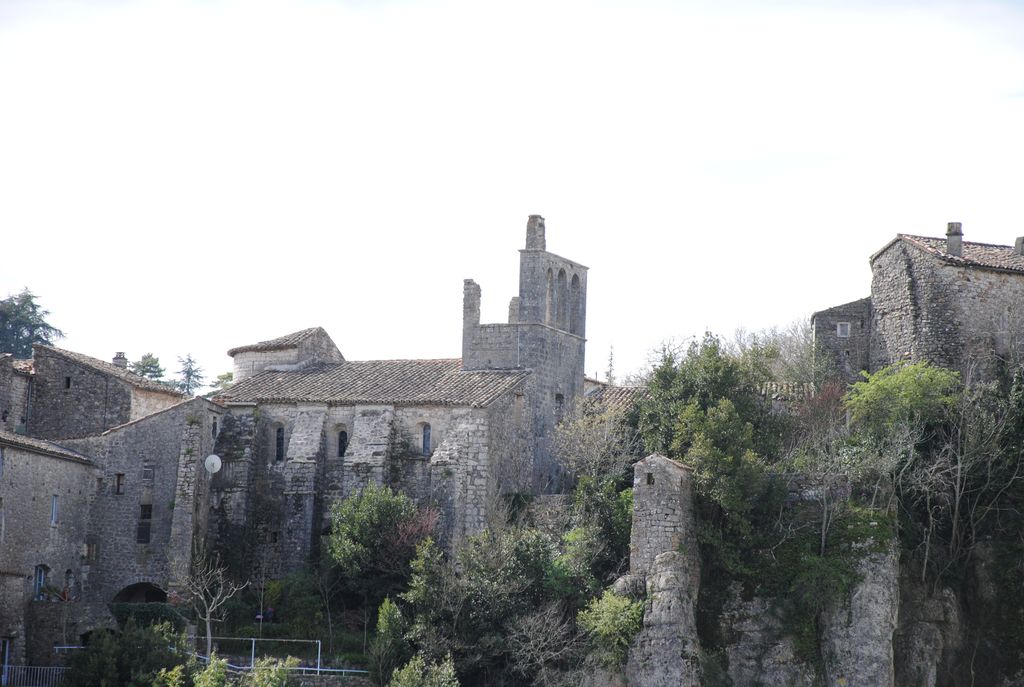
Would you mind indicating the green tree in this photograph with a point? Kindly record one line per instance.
(915, 394)
(419, 673)
(611, 621)
(23, 323)
(147, 366)
(135, 657)
(221, 382)
(373, 538)
(190, 376)
(389, 648)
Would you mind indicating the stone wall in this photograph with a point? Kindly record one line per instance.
(160, 460)
(663, 518)
(145, 402)
(849, 354)
(29, 538)
(70, 399)
(958, 317)
(14, 387)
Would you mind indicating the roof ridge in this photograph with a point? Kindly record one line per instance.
(109, 368)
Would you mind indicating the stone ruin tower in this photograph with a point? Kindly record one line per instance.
(545, 333)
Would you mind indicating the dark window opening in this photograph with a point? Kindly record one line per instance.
(147, 473)
(144, 530)
(650, 478)
(67, 382)
(274, 536)
(279, 445)
(342, 443)
(39, 582)
(214, 429)
(559, 407)
(119, 483)
(426, 439)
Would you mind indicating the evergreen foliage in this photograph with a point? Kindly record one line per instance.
(23, 323)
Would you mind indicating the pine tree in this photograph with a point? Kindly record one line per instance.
(23, 323)
(190, 376)
(147, 366)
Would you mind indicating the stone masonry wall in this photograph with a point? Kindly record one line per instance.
(850, 354)
(13, 396)
(93, 403)
(28, 538)
(663, 518)
(162, 443)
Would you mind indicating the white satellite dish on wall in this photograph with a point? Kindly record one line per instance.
(212, 463)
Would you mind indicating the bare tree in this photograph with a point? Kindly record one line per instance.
(595, 442)
(207, 587)
(542, 643)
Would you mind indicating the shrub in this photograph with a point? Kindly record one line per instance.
(611, 621)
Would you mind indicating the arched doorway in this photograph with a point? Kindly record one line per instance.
(141, 593)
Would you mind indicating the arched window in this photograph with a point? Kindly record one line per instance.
(562, 288)
(575, 306)
(425, 443)
(279, 445)
(342, 443)
(550, 315)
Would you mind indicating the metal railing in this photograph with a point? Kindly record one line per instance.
(31, 676)
(317, 669)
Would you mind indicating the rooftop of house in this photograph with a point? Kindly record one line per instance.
(388, 382)
(981, 255)
(280, 343)
(124, 375)
(41, 446)
(614, 398)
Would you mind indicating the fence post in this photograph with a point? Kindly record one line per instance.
(252, 655)
(318, 657)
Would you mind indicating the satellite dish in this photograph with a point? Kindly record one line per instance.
(212, 463)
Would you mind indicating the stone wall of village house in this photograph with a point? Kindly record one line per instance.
(145, 402)
(849, 354)
(173, 444)
(72, 400)
(952, 316)
(13, 396)
(29, 538)
(248, 363)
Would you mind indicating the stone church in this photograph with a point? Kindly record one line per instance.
(105, 483)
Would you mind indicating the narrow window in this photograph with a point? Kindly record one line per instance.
(342, 443)
(426, 438)
(559, 407)
(650, 478)
(142, 533)
(39, 582)
(279, 445)
(67, 382)
(214, 428)
(843, 330)
(92, 550)
(119, 483)
(147, 473)
(54, 510)
(274, 536)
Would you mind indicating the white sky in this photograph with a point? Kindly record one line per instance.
(189, 176)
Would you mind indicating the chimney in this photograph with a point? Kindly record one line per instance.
(1018, 246)
(954, 239)
(535, 233)
(120, 360)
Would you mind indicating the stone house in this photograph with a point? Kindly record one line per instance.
(122, 457)
(951, 302)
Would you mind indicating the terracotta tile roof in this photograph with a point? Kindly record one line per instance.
(287, 341)
(983, 255)
(113, 370)
(41, 446)
(392, 382)
(616, 398)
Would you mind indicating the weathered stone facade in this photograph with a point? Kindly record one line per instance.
(45, 491)
(299, 430)
(953, 303)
